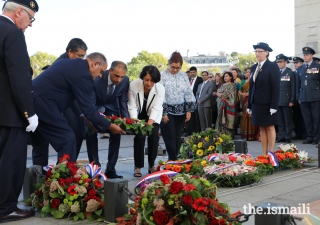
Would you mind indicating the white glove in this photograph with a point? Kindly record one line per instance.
(272, 111)
(33, 123)
(249, 111)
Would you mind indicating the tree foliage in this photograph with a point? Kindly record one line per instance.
(246, 60)
(39, 60)
(145, 58)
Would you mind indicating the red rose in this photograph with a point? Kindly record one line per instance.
(70, 165)
(76, 180)
(71, 190)
(160, 217)
(189, 187)
(55, 203)
(86, 180)
(61, 182)
(200, 204)
(232, 158)
(176, 187)
(128, 121)
(157, 191)
(38, 193)
(165, 179)
(114, 117)
(187, 199)
(92, 192)
(215, 221)
(91, 197)
(73, 171)
(68, 181)
(97, 183)
(48, 174)
(64, 158)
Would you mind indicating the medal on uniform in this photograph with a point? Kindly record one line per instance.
(305, 82)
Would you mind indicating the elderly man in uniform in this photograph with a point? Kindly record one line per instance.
(308, 94)
(17, 111)
(286, 100)
(54, 91)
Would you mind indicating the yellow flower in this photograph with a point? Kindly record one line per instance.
(200, 145)
(217, 143)
(199, 136)
(194, 146)
(220, 139)
(204, 163)
(200, 152)
(211, 147)
(206, 138)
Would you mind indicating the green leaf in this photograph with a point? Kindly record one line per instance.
(63, 167)
(98, 212)
(57, 214)
(46, 209)
(55, 194)
(80, 215)
(75, 218)
(42, 214)
(100, 219)
(91, 217)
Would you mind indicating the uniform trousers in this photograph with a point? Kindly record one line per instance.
(171, 132)
(153, 143)
(284, 114)
(311, 113)
(299, 126)
(13, 157)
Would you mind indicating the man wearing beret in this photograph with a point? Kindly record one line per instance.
(286, 99)
(308, 94)
(17, 114)
(299, 127)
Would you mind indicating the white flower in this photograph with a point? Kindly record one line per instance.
(303, 155)
(180, 179)
(285, 147)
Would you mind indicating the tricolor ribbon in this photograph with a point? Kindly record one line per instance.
(273, 159)
(180, 161)
(221, 168)
(95, 171)
(211, 157)
(48, 167)
(155, 176)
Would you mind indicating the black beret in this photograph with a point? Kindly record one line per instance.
(316, 59)
(308, 50)
(297, 59)
(31, 4)
(263, 45)
(282, 57)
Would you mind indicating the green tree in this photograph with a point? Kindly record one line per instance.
(145, 58)
(246, 60)
(39, 60)
(214, 70)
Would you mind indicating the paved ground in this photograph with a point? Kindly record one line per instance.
(290, 187)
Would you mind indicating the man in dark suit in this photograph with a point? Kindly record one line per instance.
(203, 97)
(54, 91)
(76, 49)
(308, 94)
(286, 100)
(299, 126)
(111, 99)
(17, 111)
(193, 125)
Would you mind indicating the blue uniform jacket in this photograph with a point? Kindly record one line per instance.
(66, 81)
(287, 87)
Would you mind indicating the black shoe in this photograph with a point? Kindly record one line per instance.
(113, 176)
(303, 138)
(280, 140)
(19, 214)
(307, 142)
(288, 141)
(296, 138)
(314, 142)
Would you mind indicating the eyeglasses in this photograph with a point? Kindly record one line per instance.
(210, 77)
(31, 18)
(175, 68)
(258, 51)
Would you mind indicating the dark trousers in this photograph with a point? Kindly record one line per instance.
(193, 125)
(284, 114)
(139, 143)
(171, 132)
(13, 156)
(114, 146)
(310, 112)
(53, 128)
(299, 126)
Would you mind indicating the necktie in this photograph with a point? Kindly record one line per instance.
(280, 71)
(256, 73)
(110, 89)
(307, 67)
(201, 89)
(191, 81)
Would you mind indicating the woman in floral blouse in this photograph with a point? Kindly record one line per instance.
(178, 104)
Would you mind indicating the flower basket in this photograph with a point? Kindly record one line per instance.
(206, 142)
(181, 199)
(72, 190)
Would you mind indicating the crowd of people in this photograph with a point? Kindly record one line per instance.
(75, 90)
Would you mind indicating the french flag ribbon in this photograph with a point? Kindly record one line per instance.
(273, 159)
(48, 167)
(211, 157)
(156, 175)
(180, 162)
(221, 168)
(234, 154)
(95, 171)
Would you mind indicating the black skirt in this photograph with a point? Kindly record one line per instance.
(261, 116)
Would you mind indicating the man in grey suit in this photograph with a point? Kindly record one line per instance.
(203, 97)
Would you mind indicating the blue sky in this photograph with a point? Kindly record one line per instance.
(120, 29)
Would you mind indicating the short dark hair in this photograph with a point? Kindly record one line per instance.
(205, 72)
(176, 58)
(193, 68)
(76, 43)
(236, 69)
(248, 68)
(152, 71)
(119, 64)
(230, 74)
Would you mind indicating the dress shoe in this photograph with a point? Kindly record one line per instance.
(280, 140)
(303, 138)
(307, 142)
(113, 176)
(19, 214)
(288, 141)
